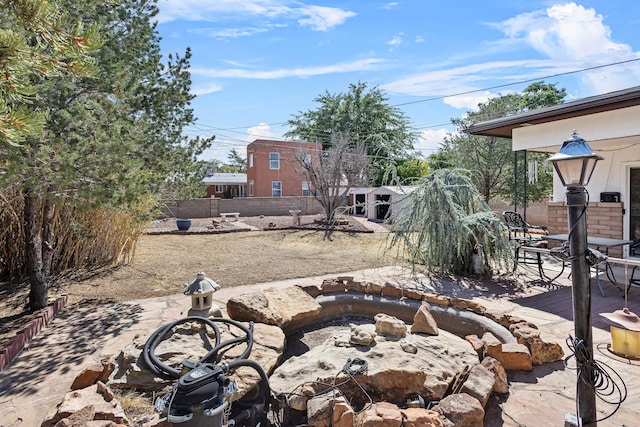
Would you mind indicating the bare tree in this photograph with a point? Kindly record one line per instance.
(333, 172)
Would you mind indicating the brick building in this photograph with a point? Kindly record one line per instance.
(273, 167)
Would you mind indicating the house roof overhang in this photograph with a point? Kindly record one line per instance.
(503, 127)
(226, 179)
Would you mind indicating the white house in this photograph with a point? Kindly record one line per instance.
(610, 123)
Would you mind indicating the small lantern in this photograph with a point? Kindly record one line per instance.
(575, 162)
(625, 333)
(201, 290)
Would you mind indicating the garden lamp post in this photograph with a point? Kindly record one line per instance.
(574, 163)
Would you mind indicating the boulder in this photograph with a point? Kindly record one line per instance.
(461, 410)
(477, 344)
(79, 418)
(420, 417)
(501, 384)
(333, 285)
(541, 351)
(285, 308)
(327, 410)
(92, 374)
(392, 374)
(515, 357)
(391, 290)
(362, 335)
(492, 345)
(423, 321)
(380, 414)
(99, 402)
(390, 326)
(479, 384)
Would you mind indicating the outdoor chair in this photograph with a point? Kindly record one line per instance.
(525, 235)
(634, 251)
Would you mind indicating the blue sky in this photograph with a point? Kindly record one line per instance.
(256, 63)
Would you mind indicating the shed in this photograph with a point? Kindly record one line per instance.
(383, 202)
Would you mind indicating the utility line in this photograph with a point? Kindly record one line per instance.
(435, 98)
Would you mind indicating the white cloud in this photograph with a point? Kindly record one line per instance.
(319, 18)
(571, 32)
(467, 79)
(229, 33)
(470, 101)
(390, 5)
(261, 131)
(396, 40)
(567, 37)
(237, 73)
(429, 140)
(199, 90)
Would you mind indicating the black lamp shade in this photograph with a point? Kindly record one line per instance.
(575, 162)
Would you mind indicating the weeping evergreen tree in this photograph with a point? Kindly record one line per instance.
(445, 221)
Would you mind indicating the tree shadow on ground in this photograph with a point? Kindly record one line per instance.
(63, 346)
(464, 287)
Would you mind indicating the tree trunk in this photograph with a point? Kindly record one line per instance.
(48, 217)
(33, 244)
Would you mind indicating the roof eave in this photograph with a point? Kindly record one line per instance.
(503, 127)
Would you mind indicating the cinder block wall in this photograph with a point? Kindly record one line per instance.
(246, 206)
(603, 220)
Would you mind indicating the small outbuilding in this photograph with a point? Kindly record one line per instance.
(384, 202)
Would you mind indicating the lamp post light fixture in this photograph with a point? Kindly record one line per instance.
(574, 163)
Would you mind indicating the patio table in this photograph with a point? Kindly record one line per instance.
(601, 244)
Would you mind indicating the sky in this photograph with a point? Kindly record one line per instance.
(258, 63)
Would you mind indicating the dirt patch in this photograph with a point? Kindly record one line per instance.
(163, 263)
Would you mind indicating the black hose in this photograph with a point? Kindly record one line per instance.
(263, 385)
(168, 373)
(264, 380)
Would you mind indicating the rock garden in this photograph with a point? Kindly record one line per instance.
(339, 353)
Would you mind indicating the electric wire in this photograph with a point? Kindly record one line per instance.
(608, 385)
(439, 97)
(351, 368)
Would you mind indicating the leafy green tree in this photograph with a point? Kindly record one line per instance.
(446, 226)
(490, 158)
(112, 139)
(361, 116)
(410, 169)
(236, 160)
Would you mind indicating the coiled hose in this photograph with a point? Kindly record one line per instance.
(167, 372)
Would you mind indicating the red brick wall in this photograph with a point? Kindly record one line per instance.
(289, 172)
(603, 220)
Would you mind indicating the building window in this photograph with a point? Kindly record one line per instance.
(306, 188)
(276, 188)
(219, 189)
(274, 160)
(306, 162)
(251, 160)
(251, 188)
